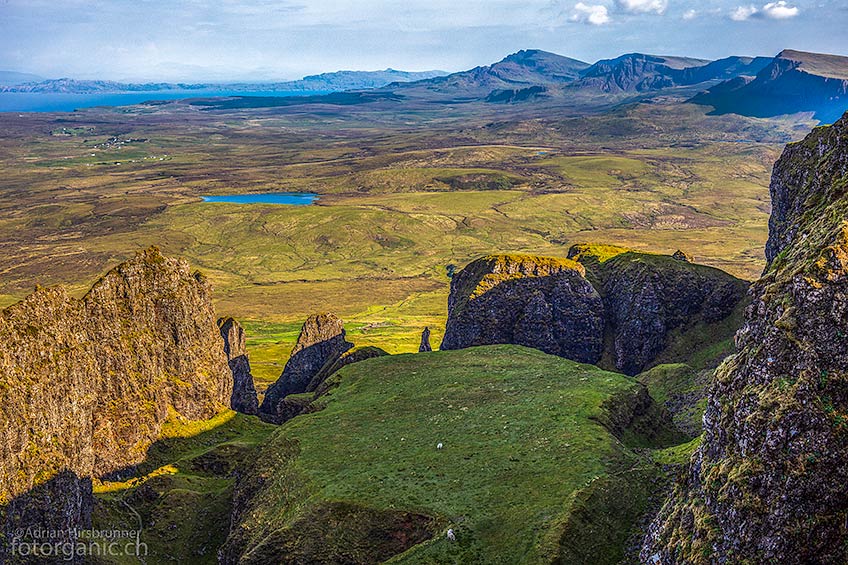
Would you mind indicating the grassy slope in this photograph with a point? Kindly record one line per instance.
(180, 497)
(523, 456)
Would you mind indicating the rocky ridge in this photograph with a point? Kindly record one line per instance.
(603, 305)
(640, 72)
(244, 397)
(540, 302)
(767, 484)
(88, 383)
(320, 345)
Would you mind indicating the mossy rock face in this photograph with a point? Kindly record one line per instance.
(540, 302)
(652, 301)
(767, 484)
(621, 309)
(88, 384)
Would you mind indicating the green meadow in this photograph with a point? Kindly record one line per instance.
(399, 202)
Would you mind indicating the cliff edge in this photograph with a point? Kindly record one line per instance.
(86, 384)
(767, 484)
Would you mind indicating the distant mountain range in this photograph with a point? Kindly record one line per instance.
(634, 72)
(794, 81)
(791, 82)
(519, 70)
(333, 82)
(10, 78)
(640, 73)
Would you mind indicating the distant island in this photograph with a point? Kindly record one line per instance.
(327, 82)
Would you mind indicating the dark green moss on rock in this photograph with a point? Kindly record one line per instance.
(652, 302)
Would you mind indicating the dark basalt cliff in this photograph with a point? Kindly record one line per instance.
(320, 345)
(86, 384)
(768, 483)
(603, 305)
(540, 302)
(244, 397)
(650, 299)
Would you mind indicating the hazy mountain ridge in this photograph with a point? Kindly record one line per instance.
(640, 72)
(794, 81)
(9, 78)
(335, 81)
(525, 68)
(789, 83)
(633, 72)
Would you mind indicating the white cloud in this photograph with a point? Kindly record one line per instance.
(742, 13)
(642, 6)
(690, 15)
(594, 15)
(780, 10)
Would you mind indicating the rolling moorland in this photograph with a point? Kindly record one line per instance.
(545, 459)
(405, 190)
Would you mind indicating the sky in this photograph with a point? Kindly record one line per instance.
(220, 40)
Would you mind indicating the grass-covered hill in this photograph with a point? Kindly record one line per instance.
(538, 464)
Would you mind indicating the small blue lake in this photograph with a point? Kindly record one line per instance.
(290, 198)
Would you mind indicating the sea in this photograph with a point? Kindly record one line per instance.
(62, 102)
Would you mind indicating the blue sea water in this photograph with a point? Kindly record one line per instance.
(61, 102)
(291, 198)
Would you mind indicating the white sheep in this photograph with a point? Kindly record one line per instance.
(439, 445)
(451, 535)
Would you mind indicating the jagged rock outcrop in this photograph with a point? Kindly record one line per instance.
(611, 306)
(682, 256)
(425, 341)
(652, 299)
(293, 405)
(768, 483)
(244, 397)
(320, 344)
(87, 383)
(540, 302)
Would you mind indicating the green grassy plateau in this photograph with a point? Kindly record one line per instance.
(528, 472)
